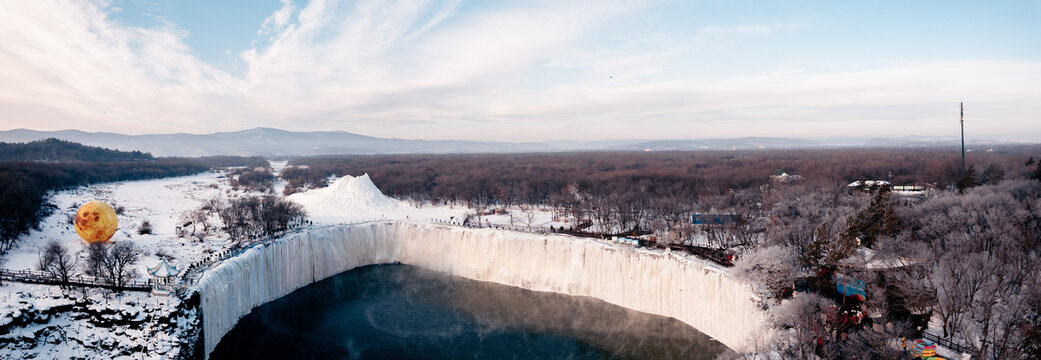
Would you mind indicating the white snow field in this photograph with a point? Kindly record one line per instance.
(159, 201)
(655, 282)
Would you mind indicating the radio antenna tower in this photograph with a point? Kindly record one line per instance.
(962, 105)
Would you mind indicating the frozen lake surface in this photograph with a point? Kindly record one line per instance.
(404, 312)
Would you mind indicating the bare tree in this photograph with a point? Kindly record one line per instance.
(57, 261)
(117, 263)
(95, 261)
(145, 228)
(958, 279)
(255, 216)
(195, 218)
(527, 215)
(998, 314)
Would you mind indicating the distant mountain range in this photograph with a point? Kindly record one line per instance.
(266, 142)
(274, 142)
(745, 143)
(919, 141)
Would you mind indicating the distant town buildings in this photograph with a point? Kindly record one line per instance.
(715, 219)
(904, 191)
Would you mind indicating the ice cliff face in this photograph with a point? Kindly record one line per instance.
(648, 281)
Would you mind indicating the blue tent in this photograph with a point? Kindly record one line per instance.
(850, 287)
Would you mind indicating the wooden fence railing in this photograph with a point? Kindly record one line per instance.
(40, 277)
(947, 343)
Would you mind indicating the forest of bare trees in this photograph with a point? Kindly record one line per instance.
(962, 255)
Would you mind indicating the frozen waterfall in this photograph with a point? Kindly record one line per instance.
(650, 281)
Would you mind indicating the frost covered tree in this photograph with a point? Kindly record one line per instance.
(57, 261)
(771, 270)
(958, 279)
(983, 263)
(804, 322)
(798, 211)
(999, 313)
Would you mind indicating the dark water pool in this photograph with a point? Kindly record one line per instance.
(404, 312)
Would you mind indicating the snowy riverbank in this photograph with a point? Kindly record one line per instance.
(650, 281)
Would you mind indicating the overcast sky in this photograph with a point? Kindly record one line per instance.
(525, 70)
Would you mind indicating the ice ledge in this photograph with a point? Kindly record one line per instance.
(683, 288)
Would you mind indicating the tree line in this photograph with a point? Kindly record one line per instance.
(658, 191)
(54, 150)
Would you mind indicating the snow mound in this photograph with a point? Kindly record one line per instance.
(349, 198)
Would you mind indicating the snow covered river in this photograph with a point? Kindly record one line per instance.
(405, 312)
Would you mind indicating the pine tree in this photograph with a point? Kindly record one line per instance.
(877, 219)
(968, 179)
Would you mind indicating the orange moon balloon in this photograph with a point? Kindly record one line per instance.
(96, 222)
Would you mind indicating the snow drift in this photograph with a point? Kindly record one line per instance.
(348, 198)
(650, 281)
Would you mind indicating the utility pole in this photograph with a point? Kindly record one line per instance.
(962, 137)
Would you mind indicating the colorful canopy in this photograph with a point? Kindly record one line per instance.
(163, 269)
(923, 348)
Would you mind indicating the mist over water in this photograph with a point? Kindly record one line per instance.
(404, 312)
